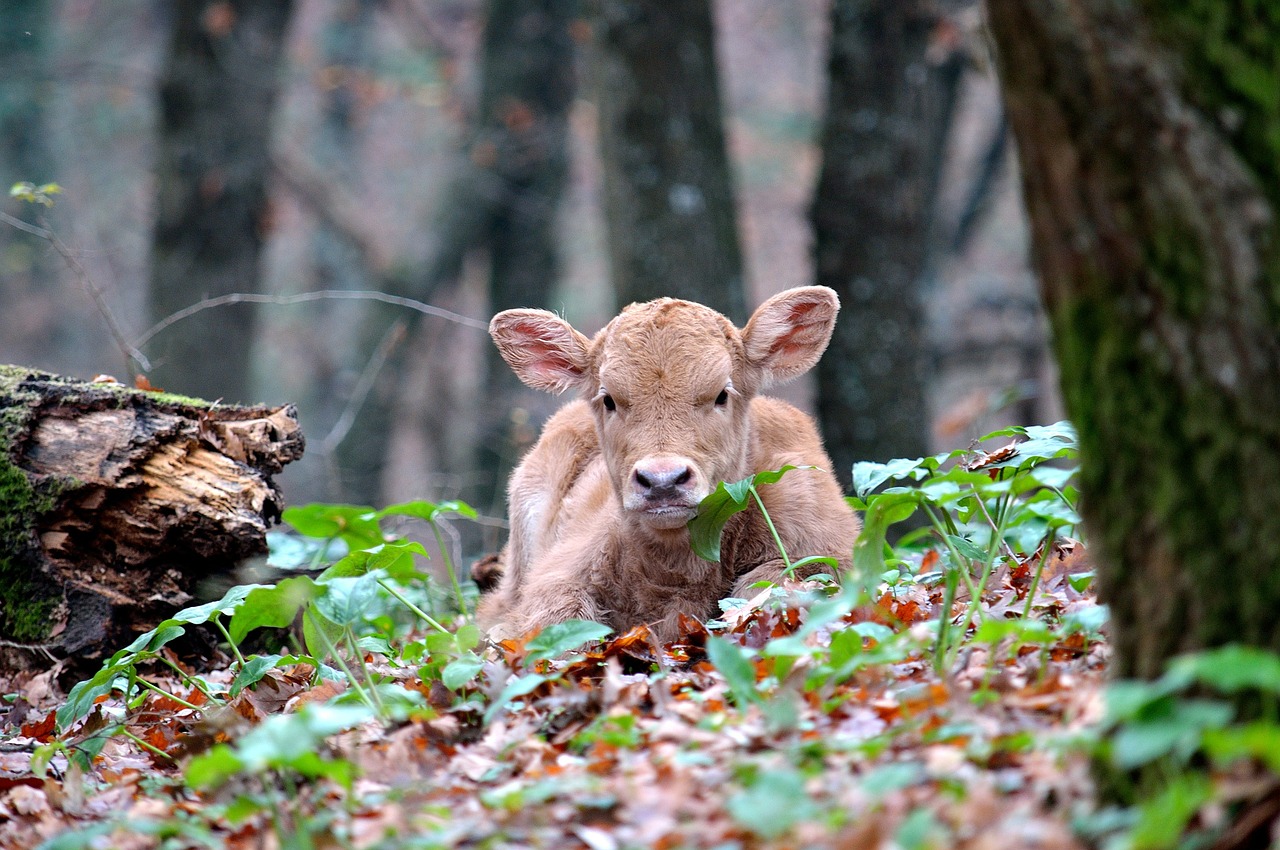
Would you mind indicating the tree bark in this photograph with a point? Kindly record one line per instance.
(668, 192)
(1150, 151)
(25, 156)
(504, 199)
(888, 112)
(217, 97)
(114, 503)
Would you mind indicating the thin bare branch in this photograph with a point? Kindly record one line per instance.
(131, 353)
(303, 297)
(394, 336)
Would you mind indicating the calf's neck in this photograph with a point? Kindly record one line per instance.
(668, 407)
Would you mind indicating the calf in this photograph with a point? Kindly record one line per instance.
(669, 407)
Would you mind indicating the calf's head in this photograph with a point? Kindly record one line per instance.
(670, 384)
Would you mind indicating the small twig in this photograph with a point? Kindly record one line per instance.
(303, 297)
(23, 226)
(995, 529)
(130, 352)
(368, 377)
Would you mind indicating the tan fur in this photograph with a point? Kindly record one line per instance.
(599, 506)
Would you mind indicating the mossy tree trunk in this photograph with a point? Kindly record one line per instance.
(1149, 137)
(115, 503)
(218, 92)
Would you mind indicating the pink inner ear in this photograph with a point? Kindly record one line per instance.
(549, 360)
(803, 334)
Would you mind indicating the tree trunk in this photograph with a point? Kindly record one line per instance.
(27, 266)
(504, 199)
(114, 503)
(668, 191)
(888, 112)
(1150, 151)
(527, 88)
(217, 97)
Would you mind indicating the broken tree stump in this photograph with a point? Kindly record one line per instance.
(115, 502)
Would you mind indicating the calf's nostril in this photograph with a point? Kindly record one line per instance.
(661, 480)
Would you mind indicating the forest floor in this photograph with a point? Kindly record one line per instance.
(793, 723)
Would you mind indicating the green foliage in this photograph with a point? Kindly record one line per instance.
(559, 638)
(398, 649)
(706, 529)
(1179, 747)
(1011, 503)
(33, 194)
(773, 803)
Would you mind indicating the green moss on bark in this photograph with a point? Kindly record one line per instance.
(28, 599)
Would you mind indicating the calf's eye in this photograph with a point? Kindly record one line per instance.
(608, 402)
(723, 398)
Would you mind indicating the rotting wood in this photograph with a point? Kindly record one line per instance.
(115, 503)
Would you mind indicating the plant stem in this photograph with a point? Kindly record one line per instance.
(769, 522)
(956, 556)
(164, 693)
(141, 743)
(364, 668)
(191, 681)
(217, 621)
(337, 658)
(1046, 550)
(414, 608)
(448, 565)
(995, 527)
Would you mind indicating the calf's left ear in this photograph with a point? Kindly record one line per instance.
(789, 332)
(542, 349)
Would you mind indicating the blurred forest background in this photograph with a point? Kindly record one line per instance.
(477, 155)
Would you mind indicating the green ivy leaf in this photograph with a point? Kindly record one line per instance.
(252, 672)
(737, 669)
(348, 599)
(517, 687)
(559, 638)
(272, 607)
(884, 511)
(83, 696)
(430, 511)
(355, 524)
(461, 670)
(707, 526)
(867, 475)
(1230, 669)
(774, 803)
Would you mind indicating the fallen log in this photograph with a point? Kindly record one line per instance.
(115, 502)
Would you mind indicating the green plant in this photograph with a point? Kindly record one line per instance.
(1011, 503)
(1181, 752)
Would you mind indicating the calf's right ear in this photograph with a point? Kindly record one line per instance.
(543, 349)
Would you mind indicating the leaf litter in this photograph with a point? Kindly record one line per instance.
(765, 730)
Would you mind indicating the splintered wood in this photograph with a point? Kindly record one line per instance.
(120, 502)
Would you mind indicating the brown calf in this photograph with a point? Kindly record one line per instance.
(599, 507)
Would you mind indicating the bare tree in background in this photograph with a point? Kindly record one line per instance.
(218, 92)
(503, 200)
(1148, 137)
(24, 145)
(889, 104)
(668, 192)
(24, 36)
